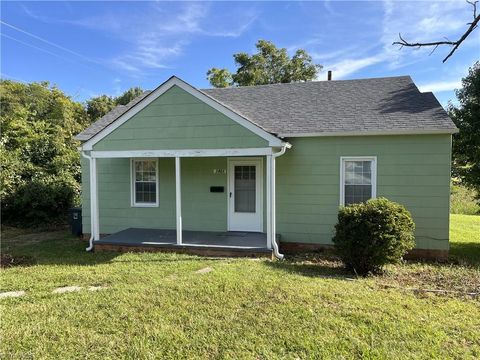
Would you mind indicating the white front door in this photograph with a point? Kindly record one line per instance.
(245, 194)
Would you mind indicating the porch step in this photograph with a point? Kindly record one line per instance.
(217, 251)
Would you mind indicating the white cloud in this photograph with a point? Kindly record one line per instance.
(157, 35)
(439, 86)
(420, 21)
(344, 68)
(416, 21)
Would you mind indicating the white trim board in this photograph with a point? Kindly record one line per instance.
(272, 140)
(370, 133)
(373, 159)
(182, 153)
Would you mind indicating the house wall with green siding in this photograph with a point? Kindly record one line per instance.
(178, 120)
(413, 170)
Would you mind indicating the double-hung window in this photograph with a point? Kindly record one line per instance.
(357, 179)
(144, 182)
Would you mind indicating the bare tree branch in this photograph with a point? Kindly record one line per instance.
(455, 44)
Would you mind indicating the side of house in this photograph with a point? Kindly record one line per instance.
(413, 170)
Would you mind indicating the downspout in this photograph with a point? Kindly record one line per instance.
(92, 216)
(276, 250)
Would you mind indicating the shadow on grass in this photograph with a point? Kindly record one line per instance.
(467, 253)
(66, 250)
(317, 265)
(60, 248)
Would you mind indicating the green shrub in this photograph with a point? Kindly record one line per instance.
(41, 201)
(372, 234)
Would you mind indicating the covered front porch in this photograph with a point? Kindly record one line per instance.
(244, 231)
(196, 146)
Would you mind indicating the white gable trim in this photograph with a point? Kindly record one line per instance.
(272, 140)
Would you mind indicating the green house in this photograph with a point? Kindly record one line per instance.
(264, 169)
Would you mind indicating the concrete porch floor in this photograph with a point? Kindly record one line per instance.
(167, 239)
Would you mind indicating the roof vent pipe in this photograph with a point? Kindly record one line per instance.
(329, 76)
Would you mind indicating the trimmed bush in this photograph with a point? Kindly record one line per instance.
(372, 234)
(41, 201)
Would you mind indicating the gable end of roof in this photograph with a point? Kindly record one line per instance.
(119, 115)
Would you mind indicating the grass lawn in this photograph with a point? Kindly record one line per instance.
(159, 306)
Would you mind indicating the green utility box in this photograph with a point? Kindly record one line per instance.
(75, 220)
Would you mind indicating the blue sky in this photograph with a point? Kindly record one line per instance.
(92, 48)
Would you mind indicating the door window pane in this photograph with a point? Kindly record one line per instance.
(244, 192)
(358, 181)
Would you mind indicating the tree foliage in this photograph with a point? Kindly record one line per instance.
(466, 116)
(100, 105)
(37, 152)
(270, 65)
(40, 164)
(128, 96)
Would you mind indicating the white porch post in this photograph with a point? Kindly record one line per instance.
(269, 201)
(94, 199)
(178, 198)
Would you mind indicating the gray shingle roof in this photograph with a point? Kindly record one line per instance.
(323, 107)
(379, 104)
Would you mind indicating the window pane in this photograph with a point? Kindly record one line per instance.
(149, 176)
(145, 181)
(358, 181)
(244, 189)
(367, 166)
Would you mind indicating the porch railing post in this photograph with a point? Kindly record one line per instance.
(178, 198)
(269, 201)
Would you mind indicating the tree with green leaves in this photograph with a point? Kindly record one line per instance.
(128, 96)
(40, 167)
(40, 163)
(466, 116)
(100, 105)
(270, 65)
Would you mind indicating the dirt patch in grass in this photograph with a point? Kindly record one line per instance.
(328, 260)
(444, 279)
(8, 260)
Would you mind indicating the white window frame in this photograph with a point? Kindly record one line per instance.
(132, 183)
(343, 159)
